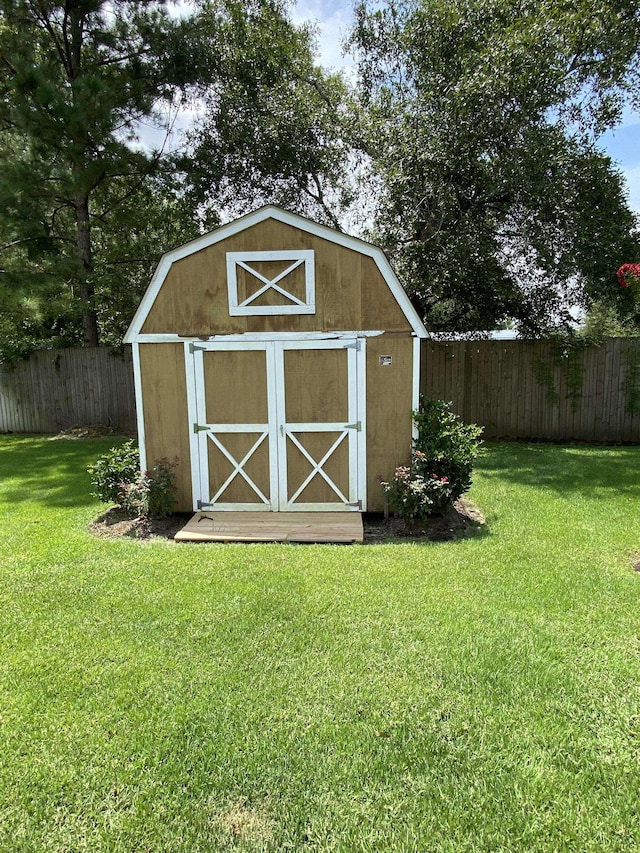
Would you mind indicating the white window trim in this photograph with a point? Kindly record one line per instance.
(296, 306)
(167, 338)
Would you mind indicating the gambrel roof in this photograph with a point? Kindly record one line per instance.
(295, 220)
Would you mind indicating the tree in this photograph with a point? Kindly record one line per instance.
(76, 78)
(86, 207)
(481, 118)
(132, 221)
(279, 131)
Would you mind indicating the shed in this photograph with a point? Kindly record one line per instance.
(278, 360)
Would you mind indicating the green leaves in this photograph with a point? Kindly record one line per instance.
(75, 78)
(481, 123)
(87, 207)
(278, 131)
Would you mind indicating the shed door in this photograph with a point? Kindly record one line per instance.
(318, 427)
(236, 466)
(279, 425)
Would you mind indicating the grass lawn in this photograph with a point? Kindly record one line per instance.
(481, 695)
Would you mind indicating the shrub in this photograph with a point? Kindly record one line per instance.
(119, 465)
(450, 446)
(152, 493)
(116, 478)
(439, 470)
(414, 495)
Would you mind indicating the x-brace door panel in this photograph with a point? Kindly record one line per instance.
(235, 427)
(319, 428)
(278, 425)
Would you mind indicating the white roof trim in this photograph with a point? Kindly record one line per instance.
(293, 219)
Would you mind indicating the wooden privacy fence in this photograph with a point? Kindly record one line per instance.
(515, 389)
(57, 389)
(534, 390)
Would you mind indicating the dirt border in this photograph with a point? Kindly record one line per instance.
(463, 520)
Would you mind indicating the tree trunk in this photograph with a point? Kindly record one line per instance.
(83, 242)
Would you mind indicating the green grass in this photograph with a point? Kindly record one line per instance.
(481, 695)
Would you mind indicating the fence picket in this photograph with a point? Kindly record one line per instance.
(58, 389)
(497, 384)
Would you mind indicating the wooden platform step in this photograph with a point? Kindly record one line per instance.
(343, 527)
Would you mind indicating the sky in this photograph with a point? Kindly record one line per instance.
(332, 19)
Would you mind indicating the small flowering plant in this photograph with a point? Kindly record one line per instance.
(629, 280)
(152, 493)
(414, 494)
(116, 478)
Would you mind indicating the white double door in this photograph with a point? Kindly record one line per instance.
(277, 424)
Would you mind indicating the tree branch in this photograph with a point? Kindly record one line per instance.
(15, 243)
(40, 15)
(319, 198)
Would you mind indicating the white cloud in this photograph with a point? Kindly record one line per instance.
(333, 20)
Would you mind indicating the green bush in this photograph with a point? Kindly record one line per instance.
(439, 470)
(116, 478)
(118, 466)
(152, 493)
(450, 446)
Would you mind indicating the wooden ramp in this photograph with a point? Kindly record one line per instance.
(343, 527)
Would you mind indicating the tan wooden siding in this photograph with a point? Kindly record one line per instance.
(316, 385)
(316, 391)
(350, 290)
(389, 422)
(164, 397)
(336, 468)
(379, 307)
(257, 468)
(235, 384)
(236, 393)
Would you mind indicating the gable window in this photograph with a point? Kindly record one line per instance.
(277, 282)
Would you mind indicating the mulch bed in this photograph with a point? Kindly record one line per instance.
(92, 431)
(115, 523)
(464, 519)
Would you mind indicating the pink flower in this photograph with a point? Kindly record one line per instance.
(628, 273)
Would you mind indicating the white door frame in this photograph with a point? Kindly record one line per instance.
(201, 432)
(277, 431)
(350, 430)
